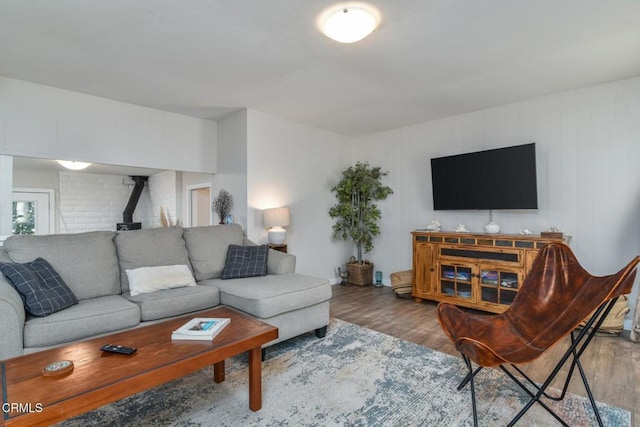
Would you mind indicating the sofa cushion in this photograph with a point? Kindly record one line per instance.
(151, 279)
(207, 247)
(245, 261)
(173, 302)
(271, 295)
(149, 247)
(86, 261)
(41, 288)
(87, 318)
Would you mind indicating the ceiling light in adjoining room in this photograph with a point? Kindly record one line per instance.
(349, 23)
(76, 166)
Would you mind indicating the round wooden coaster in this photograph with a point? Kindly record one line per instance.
(57, 368)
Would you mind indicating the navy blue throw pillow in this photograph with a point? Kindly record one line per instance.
(41, 288)
(245, 261)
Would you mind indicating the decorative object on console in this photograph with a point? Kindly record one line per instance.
(553, 232)
(357, 215)
(491, 227)
(525, 231)
(274, 219)
(222, 204)
(461, 228)
(434, 226)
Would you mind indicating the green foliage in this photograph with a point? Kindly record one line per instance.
(356, 213)
(24, 218)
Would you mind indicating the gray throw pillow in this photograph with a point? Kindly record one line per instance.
(41, 288)
(245, 261)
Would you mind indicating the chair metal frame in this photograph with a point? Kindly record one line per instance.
(579, 342)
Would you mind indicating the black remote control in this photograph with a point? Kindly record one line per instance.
(118, 349)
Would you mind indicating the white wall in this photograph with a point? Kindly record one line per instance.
(232, 164)
(588, 154)
(290, 164)
(42, 121)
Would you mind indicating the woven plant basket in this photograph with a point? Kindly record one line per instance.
(360, 274)
(613, 322)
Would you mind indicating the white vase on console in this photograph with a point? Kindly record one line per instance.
(491, 228)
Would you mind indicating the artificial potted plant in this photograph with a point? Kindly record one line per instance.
(222, 204)
(357, 214)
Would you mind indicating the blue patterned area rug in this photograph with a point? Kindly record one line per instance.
(352, 377)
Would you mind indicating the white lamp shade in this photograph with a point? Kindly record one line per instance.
(276, 217)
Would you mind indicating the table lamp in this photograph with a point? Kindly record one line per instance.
(274, 219)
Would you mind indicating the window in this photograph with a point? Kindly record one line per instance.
(32, 211)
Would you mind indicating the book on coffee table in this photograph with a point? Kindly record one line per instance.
(200, 328)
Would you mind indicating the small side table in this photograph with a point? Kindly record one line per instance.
(282, 247)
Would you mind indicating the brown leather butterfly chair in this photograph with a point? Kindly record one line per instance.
(555, 297)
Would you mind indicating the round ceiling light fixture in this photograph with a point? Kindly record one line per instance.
(349, 23)
(75, 166)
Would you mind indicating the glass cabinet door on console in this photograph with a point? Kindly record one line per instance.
(455, 281)
(499, 286)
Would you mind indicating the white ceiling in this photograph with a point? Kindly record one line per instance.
(428, 59)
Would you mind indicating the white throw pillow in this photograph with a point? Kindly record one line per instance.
(150, 279)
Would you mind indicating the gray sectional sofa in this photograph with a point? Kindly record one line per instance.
(94, 265)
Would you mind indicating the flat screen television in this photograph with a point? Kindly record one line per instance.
(502, 178)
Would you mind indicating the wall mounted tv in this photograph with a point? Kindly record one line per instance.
(502, 178)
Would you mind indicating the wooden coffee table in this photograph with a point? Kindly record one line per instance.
(98, 378)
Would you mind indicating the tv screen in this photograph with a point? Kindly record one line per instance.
(503, 178)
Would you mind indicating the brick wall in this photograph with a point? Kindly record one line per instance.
(163, 191)
(95, 202)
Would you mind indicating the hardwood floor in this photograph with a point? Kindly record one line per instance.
(612, 363)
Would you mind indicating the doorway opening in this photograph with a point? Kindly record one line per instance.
(199, 201)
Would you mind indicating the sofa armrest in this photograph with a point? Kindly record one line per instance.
(12, 318)
(278, 262)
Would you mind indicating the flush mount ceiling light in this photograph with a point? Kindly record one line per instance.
(349, 23)
(75, 166)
